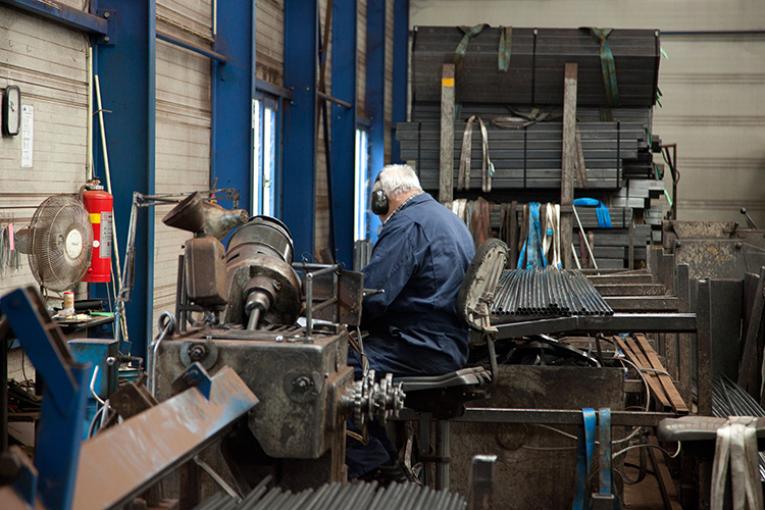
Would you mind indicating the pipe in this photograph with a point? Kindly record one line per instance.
(115, 245)
(252, 322)
(166, 324)
(89, 141)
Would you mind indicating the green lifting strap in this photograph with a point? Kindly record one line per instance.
(503, 52)
(469, 33)
(607, 64)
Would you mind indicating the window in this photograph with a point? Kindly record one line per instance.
(265, 162)
(361, 186)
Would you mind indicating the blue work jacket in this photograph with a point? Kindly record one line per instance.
(420, 261)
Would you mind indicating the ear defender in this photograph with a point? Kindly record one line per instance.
(380, 204)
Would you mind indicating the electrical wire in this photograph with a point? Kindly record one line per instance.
(645, 445)
(557, 431)
(91, 427)
(27, 380)
(93, 384)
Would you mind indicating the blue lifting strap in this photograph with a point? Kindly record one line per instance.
(584, 451)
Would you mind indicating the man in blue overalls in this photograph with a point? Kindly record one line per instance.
(419, 261)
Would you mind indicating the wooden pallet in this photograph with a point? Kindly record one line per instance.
(639, 351)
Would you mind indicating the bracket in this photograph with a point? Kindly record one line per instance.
(194, 376)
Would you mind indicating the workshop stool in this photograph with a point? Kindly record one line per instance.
(440, 398)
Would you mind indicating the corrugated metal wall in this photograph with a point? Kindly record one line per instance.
(389, 21)
(49, 64)
(269, 38)
(183, 130)
(713, 85)
(361, 57)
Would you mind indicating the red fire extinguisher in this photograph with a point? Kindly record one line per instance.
(99, 205)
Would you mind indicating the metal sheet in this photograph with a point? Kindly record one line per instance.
(122, 461)
(565, 390)
(616, 323)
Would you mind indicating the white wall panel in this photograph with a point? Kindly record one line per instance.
(269, 38)
(49, 64)
(182, 153)
(190, 19)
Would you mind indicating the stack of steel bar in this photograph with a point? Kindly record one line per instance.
(621, 217)
(529, 157)
(548, 293)
(537, 57)
(730, 399)
(338, 496)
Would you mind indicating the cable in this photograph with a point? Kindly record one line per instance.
(548, 448)
(92, 425)
(664, 451)
(93, 384)
(23, 371)
(557, 431)
(645, 382)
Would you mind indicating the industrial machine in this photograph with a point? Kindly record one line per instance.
(284, 328)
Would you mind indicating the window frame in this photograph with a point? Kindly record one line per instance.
(264, 102)
(362, 190)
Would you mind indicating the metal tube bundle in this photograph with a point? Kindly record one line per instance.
(343, 496)
(547, 292)
(730, 399)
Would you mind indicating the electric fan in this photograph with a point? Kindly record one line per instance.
(58, 242)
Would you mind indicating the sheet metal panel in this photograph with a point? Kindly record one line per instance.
(269, 36)
(121, 461)
(182, 153)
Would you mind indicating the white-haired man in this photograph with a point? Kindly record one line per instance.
(419, 260)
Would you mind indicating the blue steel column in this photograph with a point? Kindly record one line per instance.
(343, 140)
(400, 70)
(126, 68)
(375, 100)
(232, 94)
(299, 172)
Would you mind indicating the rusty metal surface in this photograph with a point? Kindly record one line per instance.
(701, 229)
(525, 475)
(350, 290)
(719, 258)
(643, 303)
(205, 271)
(297, 382)
(620, 279)
(630, 289)
(124, 460)
(616, 323)
(131, 399)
